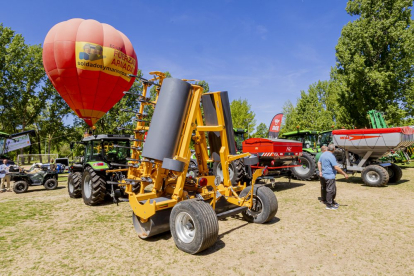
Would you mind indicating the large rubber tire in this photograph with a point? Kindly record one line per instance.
(74, 184)
(236, 169)
(194, 225)
(339, 155)
(20, 187)
(264, 204)
(308, 169)
(395, 173)
(375, 176)
(51, 184)
(93, 187)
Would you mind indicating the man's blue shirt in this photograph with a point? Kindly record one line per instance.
(328, 161)
(3, 170)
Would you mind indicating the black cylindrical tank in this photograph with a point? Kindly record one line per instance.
(167, 122)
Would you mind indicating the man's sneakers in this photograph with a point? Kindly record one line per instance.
(331, 207)
(336, 204)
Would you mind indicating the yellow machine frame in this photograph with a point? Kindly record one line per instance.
(172, 185)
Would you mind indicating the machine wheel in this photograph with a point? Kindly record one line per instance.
(308, 168)
(375, 176)
(237, 171)
(93, 187)
(194, 225)
(20, 187)
(74, 185)
(264, 204)
(339, 155)
(51, 184)
(395, 173)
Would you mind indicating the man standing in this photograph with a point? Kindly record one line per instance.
(327, 170)
(4, 169)
(323, 182)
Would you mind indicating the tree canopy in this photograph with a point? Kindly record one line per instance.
(374, 70)
(375, 57)
(242, 115)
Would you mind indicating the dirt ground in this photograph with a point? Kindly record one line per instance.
(372, 233)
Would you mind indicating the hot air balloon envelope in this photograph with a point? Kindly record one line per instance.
(89, 65)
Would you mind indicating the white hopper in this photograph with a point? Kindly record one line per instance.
(378, 141)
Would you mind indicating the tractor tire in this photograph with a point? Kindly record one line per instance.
(20, 187)
(308, 169)
(51, 184)
(74, 185)
(375, 176)
(264, 204)
(339, 155)
(93, 187)
(194, 225)
(237, 171)
(395, 173)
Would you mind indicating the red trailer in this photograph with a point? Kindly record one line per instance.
(277, 154)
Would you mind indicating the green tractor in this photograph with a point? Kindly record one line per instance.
(310, 141)
(90, 178)
(239, 134)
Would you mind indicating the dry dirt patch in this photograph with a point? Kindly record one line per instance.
(47, 233)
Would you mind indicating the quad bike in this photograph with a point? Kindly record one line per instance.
(22, 180)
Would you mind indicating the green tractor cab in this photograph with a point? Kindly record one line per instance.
(309, 139)
(239, 137)
(89, 179)
(325, 138)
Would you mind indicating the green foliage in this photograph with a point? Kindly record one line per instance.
(375, 57)
(203, 84)
(21, 80)
(115, 117)
(262, 131)
(242, 115)
(316, 109)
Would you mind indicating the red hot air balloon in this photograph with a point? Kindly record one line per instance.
(88, 63)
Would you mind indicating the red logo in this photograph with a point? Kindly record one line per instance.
(356, 137)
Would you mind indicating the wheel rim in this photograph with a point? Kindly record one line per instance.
(50, 184)
(70, 186)
(19, 187)
(304, 169)
(87, 186)
(220, 171)
(373, 176)
(257, 207)
(185, 227)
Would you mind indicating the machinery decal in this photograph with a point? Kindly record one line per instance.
(356, 137)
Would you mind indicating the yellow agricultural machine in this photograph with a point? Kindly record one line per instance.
(162, 193)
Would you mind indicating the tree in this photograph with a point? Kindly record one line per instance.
(242, 115)
(316, 109)
(262, 131)
(22, 78)
(375, 57)
(203, 84)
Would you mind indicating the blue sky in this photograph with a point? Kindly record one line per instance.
(262, 51)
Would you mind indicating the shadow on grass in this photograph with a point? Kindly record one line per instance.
(220, 243)
(358, 181)
(43, 190)
(281, 186)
